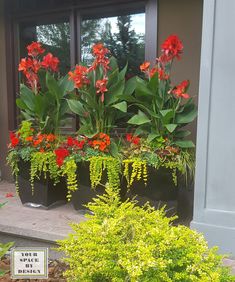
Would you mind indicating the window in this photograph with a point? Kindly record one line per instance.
(123, 35)
(54, 36)
(68, 29)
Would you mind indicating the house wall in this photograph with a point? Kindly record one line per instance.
(214, 208)
(184, 18)
(4, 114)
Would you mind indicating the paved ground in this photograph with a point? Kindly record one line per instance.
(38, 224)
(48, 225)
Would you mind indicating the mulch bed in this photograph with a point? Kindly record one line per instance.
(56, 269)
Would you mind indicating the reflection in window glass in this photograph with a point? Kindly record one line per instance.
(122, 35)
(54, 37)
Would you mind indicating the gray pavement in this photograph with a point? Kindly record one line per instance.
(45, 225)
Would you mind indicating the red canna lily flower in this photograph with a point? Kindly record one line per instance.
(35, 49)
(153, 71)
(172, 47)
(50, 62)
(101, 86)
(162, 75)
(79, 76)
(99, 50)
(180, 90)
(145, 67)
(100, 53)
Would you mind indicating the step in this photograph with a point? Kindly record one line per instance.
(34, 227)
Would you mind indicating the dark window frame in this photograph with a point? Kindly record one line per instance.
(74, 13)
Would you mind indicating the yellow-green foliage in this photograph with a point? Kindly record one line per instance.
(25, 129)
(109, 164)
(44, 164)
(135, 169)
(123, 242)
(69, 169)
(12, 160)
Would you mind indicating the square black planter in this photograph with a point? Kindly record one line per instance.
(85, 193)
(45, 194)
(160, 190)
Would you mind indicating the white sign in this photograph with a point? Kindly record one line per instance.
(29, 263)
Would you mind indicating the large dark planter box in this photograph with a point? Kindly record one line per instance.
(45, 194)
(85, 193)
(159, 191)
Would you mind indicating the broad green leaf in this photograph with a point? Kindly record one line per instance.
(142, 88)
(153, 83)
(139, 119)
(41, 104)
(114, 92)
(27, 96)
(188, 115)
(76, 107)
(167, 115)
(122, 73)
(113, 78)
(185, 144)
(122, 106)
(152, 136)
(182, 133)
(87, 130)
(113, 64)
(130, 86)
(27, 116)
(66, 85)
(53, 86)
(114, 149)
(170, 127)
(20, 104)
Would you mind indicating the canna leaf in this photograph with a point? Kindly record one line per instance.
(170, 127)
(185, 144)
(139, 119)
(122, 106)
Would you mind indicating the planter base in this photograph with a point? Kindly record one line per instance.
(44, 195)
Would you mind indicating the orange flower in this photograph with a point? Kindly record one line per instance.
(79, 76)
(29, 139)
(145, 67)
(100, 53)
(39, 140)
(180, 90)
(50, 62)
(35, 49)
(153, 71)
(172, 47)
(101, 86)
(50, 138)
(101, 141)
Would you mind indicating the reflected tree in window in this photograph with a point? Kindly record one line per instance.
(119, 35)
(56, 39)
